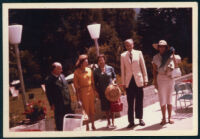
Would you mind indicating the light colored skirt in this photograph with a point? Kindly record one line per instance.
(165, 89)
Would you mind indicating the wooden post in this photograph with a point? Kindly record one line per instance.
(20, 75)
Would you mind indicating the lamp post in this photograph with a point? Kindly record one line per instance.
(94, 30)
(15, 33)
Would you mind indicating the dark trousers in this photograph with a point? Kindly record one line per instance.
(59, 115)
(134, 94)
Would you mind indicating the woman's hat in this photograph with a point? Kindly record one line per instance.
(161, 42)
(112, 93)
(81, 57)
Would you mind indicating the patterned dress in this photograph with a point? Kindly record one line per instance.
(102, 80)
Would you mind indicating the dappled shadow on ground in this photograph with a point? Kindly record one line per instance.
(152, 127)
(183, 113)
(186, 110)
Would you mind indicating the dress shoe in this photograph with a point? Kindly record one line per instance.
(108, 125)
(87, 128)
(163, 122)
(142, 122)
(131, 125)
(93, 128)
(170, 122)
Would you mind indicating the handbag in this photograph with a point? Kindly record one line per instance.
(79, 110)
(176, 72)
(116, 106)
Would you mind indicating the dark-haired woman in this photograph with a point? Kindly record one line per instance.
(163, 63)
(84, 85)
(103, 76)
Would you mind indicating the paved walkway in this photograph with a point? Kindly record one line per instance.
(183, 125)
(152, 116)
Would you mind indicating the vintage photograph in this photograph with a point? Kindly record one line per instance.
(100, 69)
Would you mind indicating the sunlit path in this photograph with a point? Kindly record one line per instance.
(152, 117)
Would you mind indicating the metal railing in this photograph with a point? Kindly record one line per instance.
(182, 78)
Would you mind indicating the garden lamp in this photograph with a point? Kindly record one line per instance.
(94, 30)
(15, 34)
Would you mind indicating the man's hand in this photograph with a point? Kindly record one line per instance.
(145, 83)
(156, 85)
(113, 82)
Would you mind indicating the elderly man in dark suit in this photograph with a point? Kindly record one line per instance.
(58, 94)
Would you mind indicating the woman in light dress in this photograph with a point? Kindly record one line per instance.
(163, 63)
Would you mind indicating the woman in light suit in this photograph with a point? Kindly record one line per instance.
(134, 78)
(163, 63)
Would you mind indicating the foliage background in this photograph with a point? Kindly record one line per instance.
(61, 35)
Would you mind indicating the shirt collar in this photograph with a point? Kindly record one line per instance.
(104, 67)
(55, 75)
(130, 52)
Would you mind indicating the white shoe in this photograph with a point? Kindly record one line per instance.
(108, 126)
(112, 126)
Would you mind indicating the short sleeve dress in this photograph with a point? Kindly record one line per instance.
(102, 80)
(165, 83)
(84, 84)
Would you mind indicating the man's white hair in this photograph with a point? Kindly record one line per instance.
(57, 64)
(130, 41)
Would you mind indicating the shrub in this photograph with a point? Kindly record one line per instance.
(35, 111)
(185, 66)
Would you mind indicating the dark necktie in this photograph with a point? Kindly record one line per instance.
(130, 55)
(60, 79)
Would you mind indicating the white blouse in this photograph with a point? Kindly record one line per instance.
(169, 64)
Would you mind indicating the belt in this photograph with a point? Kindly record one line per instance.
(85, 86)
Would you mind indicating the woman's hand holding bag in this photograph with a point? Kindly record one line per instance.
(176, 72)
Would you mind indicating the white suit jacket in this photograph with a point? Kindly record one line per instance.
(137, 68)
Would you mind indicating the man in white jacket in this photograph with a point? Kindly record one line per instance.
(134, 78)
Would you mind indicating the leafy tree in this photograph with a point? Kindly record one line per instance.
(185, 66)
(61, 34)
(30, 69)
(122, 20)
(172, 24)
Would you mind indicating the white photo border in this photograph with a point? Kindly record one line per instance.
(96, 5)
